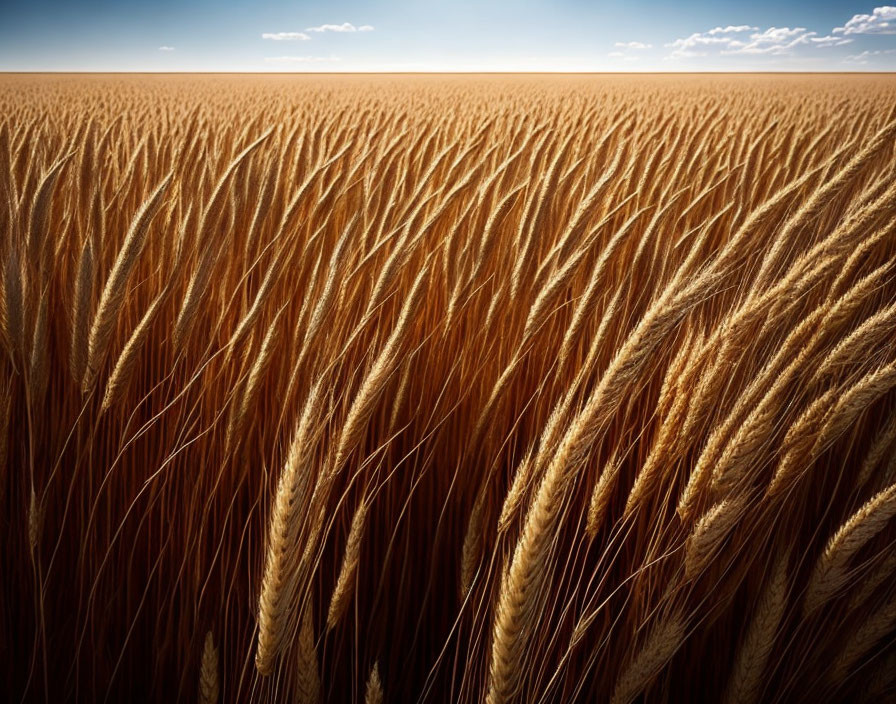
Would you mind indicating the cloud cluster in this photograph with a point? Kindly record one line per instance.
(286, 36)
(779, 41)
(344, 27)
(166, 48)
(304, 37)
(632, 45)
(829, 40)
(731, 29)
(782, 40)
(700, 43)
(744, 39)
(882, 20)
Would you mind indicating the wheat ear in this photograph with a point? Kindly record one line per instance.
(374, 383)
(208, 673)
(374, 692)
(662, 643)
(127, 360)
(278, 587)
(81, 316)
(745, 682)
(308, 679)
(829, 574)
(116, 286)
(345, 584)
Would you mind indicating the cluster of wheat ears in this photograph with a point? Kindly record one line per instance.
(536, 389)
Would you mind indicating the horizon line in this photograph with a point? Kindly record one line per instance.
(441, 73)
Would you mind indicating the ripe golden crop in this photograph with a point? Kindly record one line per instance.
(448, 388)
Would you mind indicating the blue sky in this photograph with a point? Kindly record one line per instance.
(461, 35)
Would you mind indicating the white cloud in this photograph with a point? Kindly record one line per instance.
(344, 27)
(867, 56)
(744, 39)
(633, 45)
(300, 59)
(731, 29)
(774, 40)
(882, 20)
(286, 36)
(829, 40)
(699, 43)
(166, 48)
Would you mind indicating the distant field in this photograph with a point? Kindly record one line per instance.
(449, 388)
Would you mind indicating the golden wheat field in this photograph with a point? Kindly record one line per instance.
(448, 388)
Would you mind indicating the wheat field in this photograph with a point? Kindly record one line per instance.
(448, 388)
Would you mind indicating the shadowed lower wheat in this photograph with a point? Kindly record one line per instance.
(514, 389)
